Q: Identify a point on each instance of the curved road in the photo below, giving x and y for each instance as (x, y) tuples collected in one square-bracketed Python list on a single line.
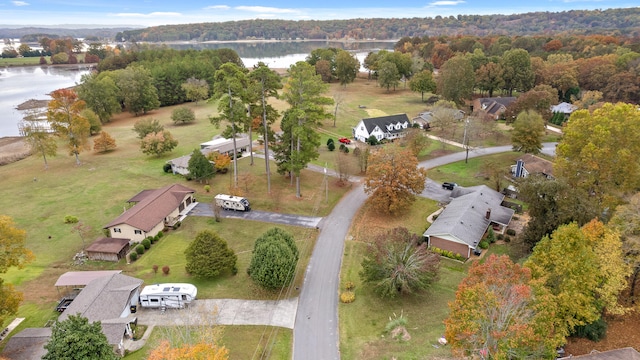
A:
[(315, 333)]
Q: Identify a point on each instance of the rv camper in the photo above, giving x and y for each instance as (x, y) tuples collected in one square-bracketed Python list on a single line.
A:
[(230, 202), (171, 296)]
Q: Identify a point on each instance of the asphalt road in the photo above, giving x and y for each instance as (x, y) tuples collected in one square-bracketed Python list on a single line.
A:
[(206, 209), (315, 333)]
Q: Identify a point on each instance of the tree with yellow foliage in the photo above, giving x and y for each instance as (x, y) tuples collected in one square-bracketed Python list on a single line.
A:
[(14, 253)]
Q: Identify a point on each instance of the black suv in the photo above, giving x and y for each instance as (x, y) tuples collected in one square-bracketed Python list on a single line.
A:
[(449, 185)]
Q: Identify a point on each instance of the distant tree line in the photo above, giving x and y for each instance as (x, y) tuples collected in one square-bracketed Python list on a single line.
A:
[(611, 21)]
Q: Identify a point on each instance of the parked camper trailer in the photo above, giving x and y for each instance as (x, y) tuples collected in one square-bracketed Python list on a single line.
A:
[(170, 296), (230, 202)]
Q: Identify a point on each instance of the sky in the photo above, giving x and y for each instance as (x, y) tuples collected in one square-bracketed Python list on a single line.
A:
[(144, 13)]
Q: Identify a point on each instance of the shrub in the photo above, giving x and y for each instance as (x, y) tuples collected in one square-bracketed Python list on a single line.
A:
[(329, 141), (160, 234), (155, 239), (345, 150), (348, 297), (207, 188), (133, 256), (166, 168), (511, 232), (507, 238), (483, 244), (176, 225), (140, 249), (349, 285), (146, 243), (70, 219), (183, 115), (165, 270), (155, 269), (500, 237), (595, 331), (331, 146), (357, 151), (491, 236)]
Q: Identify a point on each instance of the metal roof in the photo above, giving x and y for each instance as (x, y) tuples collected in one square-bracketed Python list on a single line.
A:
[(82, 278)]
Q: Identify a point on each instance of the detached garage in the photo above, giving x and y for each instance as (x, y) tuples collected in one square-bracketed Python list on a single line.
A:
[(108, 249)]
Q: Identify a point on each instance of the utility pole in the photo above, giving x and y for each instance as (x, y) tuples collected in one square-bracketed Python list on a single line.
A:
[(326, 184), (465, 141)]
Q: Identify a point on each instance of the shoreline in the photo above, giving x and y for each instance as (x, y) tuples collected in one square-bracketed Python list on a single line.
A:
[(249, 41)]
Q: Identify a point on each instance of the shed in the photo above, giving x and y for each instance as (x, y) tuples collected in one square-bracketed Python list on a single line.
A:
[(108, 249)]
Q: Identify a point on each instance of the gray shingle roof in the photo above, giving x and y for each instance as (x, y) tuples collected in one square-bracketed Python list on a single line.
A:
[(465, 216), (108, 245), (382, 122), (627, 353), (27, 344)]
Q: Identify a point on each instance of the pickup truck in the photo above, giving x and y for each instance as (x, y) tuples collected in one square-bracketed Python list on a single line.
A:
[(449, 185), (64, 303)]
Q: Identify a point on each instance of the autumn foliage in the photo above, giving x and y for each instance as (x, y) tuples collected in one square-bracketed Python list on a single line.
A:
[(104, 143), (198, 351)]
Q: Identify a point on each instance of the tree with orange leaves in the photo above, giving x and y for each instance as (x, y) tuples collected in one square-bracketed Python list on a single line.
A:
[(498, 314), (199, 351), (64, 116)]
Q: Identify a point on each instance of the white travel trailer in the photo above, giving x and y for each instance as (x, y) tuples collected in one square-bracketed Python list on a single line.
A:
[(230, 202), (171, 296)]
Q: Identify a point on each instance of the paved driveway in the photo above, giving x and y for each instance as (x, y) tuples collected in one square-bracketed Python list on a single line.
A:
[(206, 209)]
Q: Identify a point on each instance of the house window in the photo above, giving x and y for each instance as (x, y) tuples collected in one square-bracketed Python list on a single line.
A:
[(137, 232), (116, 230), (361, 128)]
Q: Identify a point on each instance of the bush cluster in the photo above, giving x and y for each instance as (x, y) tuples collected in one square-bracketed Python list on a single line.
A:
[(70, 219), (595, 331), (349, 285), (133, 256), (483, 244), (511, 232), (348, 297), (447, 254), (146, 243)]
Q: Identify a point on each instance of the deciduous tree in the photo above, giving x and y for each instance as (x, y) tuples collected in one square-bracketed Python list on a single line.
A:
[(347, 67), (274, 259), (423, 82), (137, 90), (196, 89), (183, 115), (489, 77), (14, 254), (208, 256), (393, 179), (527, 133), (388, 75), (497, 314), (40, 140), (144, 127), (104, 143), (64, 116), (626, 220), (199, 167), (76, 338), (396, 265), (456, 79), (518, 74), (158, 143), (101, 95)]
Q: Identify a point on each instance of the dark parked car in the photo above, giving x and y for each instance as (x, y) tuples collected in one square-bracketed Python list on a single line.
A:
[(449, 185)]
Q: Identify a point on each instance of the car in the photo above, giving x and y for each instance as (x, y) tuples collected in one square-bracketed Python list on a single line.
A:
[(477, 251), (449, 185), (345, 140)]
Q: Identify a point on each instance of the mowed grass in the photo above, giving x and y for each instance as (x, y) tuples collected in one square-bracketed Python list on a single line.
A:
[(472, 173)]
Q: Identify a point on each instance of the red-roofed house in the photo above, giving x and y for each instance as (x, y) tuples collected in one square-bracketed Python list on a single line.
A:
[(154, 209)]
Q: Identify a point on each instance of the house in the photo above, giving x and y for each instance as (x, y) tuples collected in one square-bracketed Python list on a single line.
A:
[(463, 222), (627, 353), (109, 299), (383, 127), (218, 144), (27, 344), (425, 118), (564, 108), (492, 107), (529, 164), (152, 212), (108, 249)]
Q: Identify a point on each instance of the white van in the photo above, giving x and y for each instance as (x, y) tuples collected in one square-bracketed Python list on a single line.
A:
[(168, 296), (230, 202)]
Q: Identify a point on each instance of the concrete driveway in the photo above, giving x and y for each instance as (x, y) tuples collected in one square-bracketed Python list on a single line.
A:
[(433, 190), (206, 209)]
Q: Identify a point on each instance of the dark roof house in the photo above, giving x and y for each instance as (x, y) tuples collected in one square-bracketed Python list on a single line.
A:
[(27, 344), (383, 127), (493, 107), (529, 164)]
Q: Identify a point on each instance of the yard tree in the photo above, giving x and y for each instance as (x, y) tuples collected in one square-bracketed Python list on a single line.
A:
[(76, 339), (423, 82), (101, 95), (182, 115), (14, 254), (208, 256), (196, 89), (303, 92), (598, 153), (104, 143), (518, 74), (199, 167), (40, 140), (415, 141), (347, 67), (64, 115), (489, 77), (144, 127), (323, 68), (552, 202), (221, 162), (456, 79), (371, 63), (274, 259), (583, 270), (137, 90), (560, 71), (231, 82), (626, 220), (270, 83), (393, 179), (497, 314), (527, 133), (396, 265), (388, 75), (158, 143), (95, 126)]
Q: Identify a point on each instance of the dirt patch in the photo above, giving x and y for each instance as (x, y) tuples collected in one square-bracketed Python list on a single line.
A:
[(622, 331), (13, 149)]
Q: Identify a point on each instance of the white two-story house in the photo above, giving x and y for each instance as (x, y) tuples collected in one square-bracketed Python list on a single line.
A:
[(383, 128)]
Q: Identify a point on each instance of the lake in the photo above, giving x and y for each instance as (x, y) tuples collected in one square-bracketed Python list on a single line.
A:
[(20, 84)]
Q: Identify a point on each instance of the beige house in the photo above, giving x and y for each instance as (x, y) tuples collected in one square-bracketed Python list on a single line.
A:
[(152, 212)]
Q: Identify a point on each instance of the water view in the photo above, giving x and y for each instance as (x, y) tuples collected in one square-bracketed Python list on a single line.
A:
[(35, 82)]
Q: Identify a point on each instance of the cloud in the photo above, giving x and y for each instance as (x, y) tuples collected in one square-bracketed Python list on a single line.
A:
[(217, 7), (149, 15), (20, 3), (265, 9), (446, 3)]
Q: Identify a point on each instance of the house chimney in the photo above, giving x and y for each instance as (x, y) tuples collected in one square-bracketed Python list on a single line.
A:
[(488, 214)]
